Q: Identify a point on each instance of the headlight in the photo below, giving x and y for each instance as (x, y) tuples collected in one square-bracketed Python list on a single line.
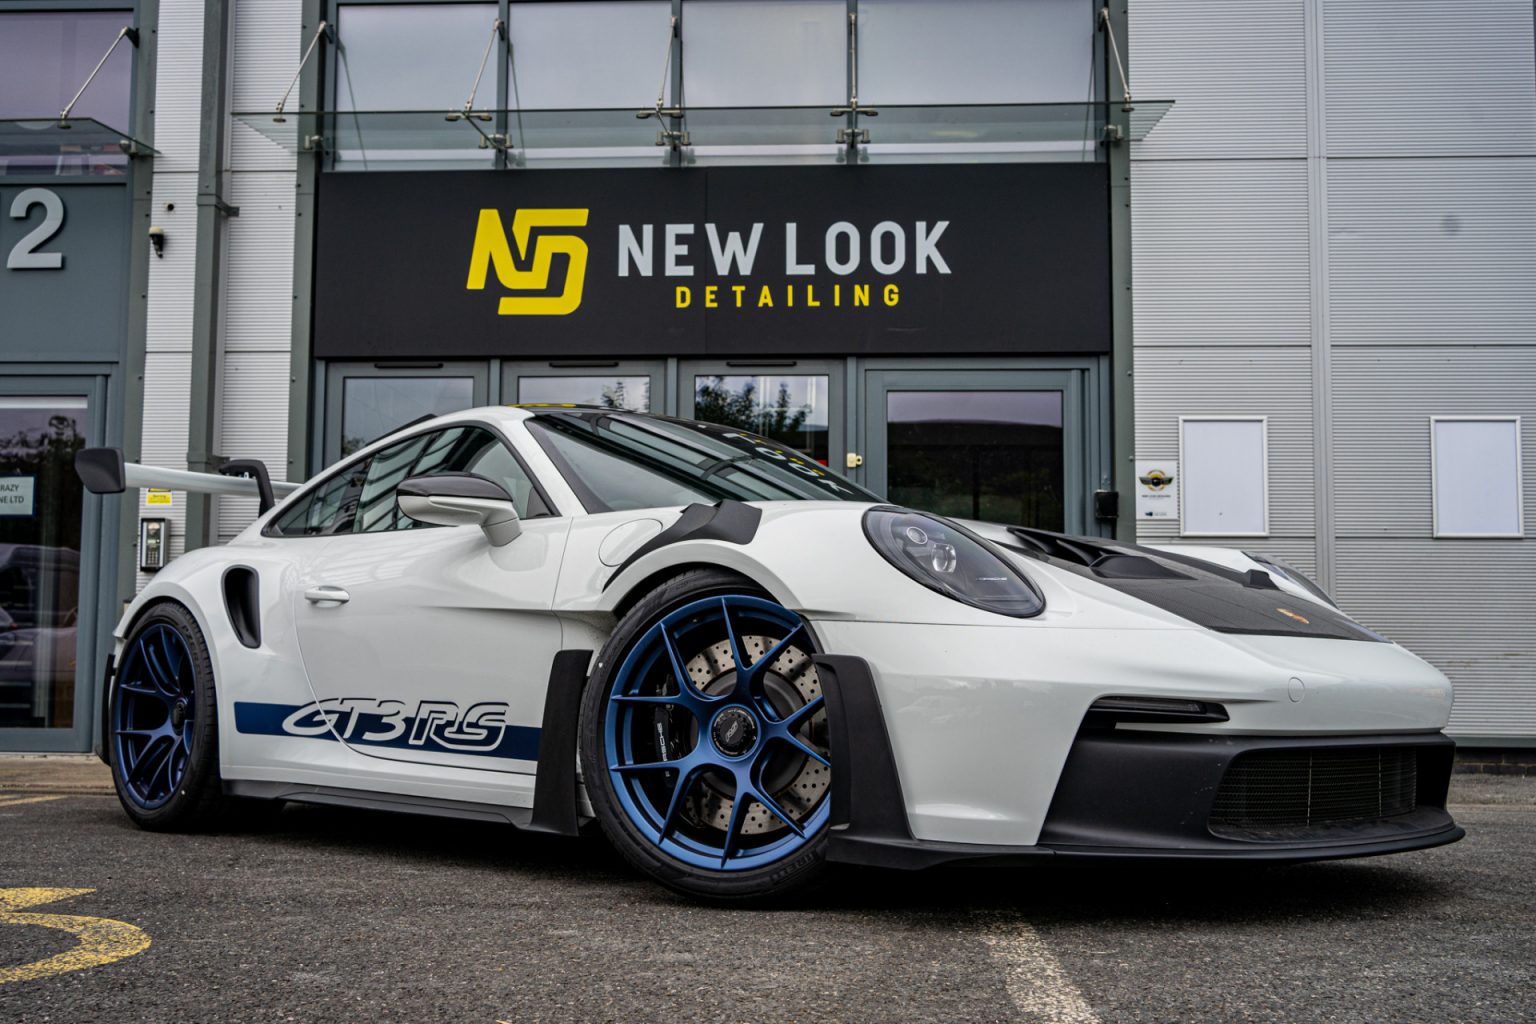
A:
[(943, 557)]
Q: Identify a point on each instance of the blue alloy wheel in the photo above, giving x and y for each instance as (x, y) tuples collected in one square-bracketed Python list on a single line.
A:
[(715, 730), (153, 718)]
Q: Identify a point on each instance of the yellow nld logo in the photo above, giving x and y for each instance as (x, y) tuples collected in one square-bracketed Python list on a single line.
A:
[(535, 255)]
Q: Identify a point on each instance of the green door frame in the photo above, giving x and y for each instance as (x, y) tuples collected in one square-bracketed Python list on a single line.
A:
[(98, 536), (1083, 450)]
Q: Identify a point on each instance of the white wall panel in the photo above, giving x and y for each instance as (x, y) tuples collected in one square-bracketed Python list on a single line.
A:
[(1241, 381), (178, 85), (1237, 77), (1220, 254), (171, 277), (1432, 251), (1429, 77), (167, 382), (253, 383), (1382, 401), (266, 53), (258, 292), (1464, 606)]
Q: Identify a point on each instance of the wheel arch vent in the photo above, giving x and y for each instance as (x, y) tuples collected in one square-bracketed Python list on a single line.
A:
[(242, 602)]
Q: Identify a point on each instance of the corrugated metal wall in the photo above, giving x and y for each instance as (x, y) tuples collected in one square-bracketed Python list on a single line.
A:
[(1363, 264), (256, 300), (168, 355)]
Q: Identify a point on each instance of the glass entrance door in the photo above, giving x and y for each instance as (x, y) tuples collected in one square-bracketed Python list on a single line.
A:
[(798, 403), (634, 385), (41, 520), (1004, 446)]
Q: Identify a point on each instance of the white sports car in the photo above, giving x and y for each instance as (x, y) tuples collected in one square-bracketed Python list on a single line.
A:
[(744, 666)]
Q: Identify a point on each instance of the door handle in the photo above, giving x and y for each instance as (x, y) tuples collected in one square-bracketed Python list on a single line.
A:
[(323, 594)]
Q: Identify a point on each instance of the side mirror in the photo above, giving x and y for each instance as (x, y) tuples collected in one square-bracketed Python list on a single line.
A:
[(461, 499)]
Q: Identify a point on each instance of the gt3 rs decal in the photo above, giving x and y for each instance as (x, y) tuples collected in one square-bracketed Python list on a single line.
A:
[(438, 726)]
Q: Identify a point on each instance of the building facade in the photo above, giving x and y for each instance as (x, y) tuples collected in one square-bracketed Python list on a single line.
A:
[(895, 234), (1336, 246)]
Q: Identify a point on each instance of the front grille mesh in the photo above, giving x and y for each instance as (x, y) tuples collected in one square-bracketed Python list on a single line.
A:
[(1301, 791)]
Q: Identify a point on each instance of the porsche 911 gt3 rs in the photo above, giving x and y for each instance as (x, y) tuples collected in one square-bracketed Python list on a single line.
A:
[(743, 666)]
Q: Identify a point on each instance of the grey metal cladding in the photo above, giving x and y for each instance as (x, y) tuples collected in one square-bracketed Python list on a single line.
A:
[(1221, 252), (1432, 251), (1428, 77), (1239, 82), (1246, 381), (1382, 401), (1464, 606)]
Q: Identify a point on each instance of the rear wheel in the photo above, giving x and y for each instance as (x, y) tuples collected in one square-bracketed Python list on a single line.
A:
[(704, 740), (164, 715)]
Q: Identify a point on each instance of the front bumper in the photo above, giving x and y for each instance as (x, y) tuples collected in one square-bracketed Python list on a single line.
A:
[(1155, 795)]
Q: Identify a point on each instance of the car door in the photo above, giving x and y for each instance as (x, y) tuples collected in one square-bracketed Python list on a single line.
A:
[(426, 643)]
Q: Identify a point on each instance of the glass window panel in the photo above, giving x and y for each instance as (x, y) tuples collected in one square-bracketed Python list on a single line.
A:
[(765, 53), (587, 55), (991, 455), (630, 393), (412, 56), (374, 406), (793, 409), (46, 57), (40, 511), (1225, 486), (1477, 477), (976, 51)]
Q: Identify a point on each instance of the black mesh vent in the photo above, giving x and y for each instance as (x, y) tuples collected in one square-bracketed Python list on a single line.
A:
[(1313, 791)]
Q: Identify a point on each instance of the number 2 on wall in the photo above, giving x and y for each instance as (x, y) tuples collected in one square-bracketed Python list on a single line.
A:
[(24, 254)]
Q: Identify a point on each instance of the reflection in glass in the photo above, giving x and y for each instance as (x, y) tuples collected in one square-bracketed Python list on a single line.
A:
[(992, 455), (630, 393), (374, 406), (40, 508), (792, 409), (45, 57)]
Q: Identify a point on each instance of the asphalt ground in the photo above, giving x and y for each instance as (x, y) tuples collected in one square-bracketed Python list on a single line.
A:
[(328, 915)]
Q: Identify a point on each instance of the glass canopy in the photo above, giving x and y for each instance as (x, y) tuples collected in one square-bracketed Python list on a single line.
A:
[(901, 134), (77, 146)]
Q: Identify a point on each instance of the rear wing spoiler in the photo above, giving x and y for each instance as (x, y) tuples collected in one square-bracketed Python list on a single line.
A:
[(103, 471)]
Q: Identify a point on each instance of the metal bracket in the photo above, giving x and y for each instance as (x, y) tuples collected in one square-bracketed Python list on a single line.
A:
[(313, 143), (219, 204), (1113, 134)]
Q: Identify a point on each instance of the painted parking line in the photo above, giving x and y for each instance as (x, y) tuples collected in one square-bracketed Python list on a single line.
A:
[(17, 801), (101, 940), (1036, 982)]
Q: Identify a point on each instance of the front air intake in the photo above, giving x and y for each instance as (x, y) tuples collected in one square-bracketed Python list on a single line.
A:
[(1296, 794)]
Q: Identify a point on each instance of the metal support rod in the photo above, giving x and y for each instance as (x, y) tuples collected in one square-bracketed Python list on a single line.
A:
[(1114, 48), (320, 31), (498, 30), (126, 32), (666, 68)]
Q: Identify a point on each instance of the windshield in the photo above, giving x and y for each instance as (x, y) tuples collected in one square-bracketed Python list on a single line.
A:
[(618, 461)]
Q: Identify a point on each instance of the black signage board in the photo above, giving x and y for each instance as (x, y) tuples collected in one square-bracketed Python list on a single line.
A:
[(761, 261)]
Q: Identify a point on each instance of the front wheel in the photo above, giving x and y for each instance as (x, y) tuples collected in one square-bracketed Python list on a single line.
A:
[(704, 741)]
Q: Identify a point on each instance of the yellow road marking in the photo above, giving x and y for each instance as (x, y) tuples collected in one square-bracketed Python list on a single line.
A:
[(17, 801), (101, 940)]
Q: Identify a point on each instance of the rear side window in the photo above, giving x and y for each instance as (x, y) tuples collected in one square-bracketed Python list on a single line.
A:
[(361, 498)]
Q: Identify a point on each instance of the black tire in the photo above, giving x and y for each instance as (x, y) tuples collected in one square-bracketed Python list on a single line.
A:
[(197, 801), (796, 870)]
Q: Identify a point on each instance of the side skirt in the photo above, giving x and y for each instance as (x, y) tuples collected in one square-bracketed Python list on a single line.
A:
[(333, 797)]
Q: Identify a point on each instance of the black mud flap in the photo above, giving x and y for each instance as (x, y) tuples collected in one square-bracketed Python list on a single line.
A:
[(869, 814), (554, 787)]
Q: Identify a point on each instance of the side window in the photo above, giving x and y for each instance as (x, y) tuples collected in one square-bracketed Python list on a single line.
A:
[(330, 508), (361, 498)]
